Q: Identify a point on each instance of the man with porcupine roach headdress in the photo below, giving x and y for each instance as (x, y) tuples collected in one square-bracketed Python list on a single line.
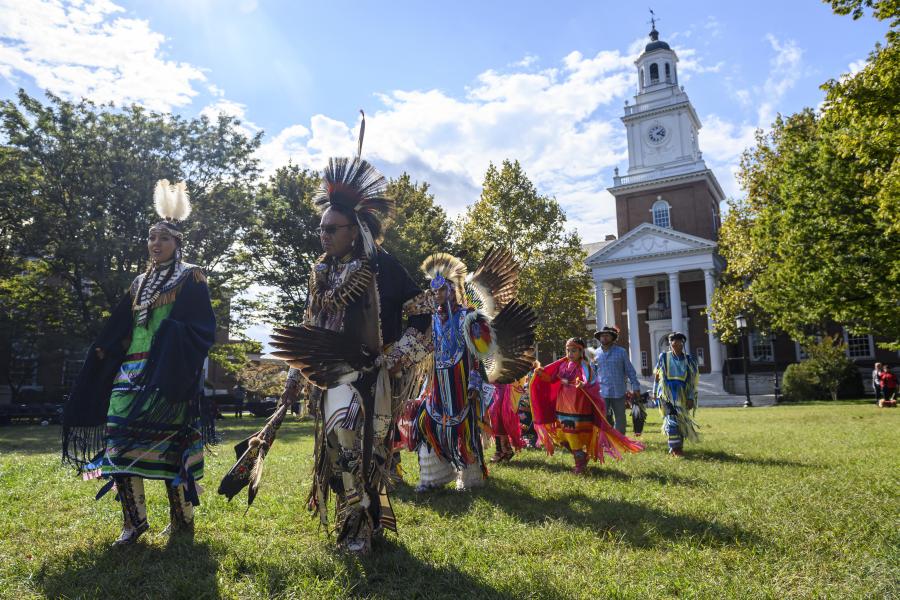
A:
[(362, 336), (136, 410), (482, 337)]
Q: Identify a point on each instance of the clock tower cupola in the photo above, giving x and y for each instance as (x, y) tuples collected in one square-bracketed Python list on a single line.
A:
[(662, 125)]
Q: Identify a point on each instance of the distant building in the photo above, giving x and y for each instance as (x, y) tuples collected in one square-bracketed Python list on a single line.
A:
[(659, 273)]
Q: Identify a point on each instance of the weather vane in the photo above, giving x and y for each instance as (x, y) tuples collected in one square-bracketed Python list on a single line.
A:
[(653, 18)]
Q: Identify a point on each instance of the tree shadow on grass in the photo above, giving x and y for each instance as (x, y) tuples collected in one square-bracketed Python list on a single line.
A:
[(180, 569), (30, 439), (595, 470), (392, 571), (636, 524), (37, 439), (725, 457), (389, 571)]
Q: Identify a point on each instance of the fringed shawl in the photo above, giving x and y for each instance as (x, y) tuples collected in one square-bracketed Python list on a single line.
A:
[(171, 378), (545, 389)]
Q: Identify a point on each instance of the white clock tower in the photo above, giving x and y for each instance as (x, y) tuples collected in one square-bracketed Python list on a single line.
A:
[(661, 125)]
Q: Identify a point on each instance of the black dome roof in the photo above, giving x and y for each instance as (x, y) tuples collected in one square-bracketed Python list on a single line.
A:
[(655, 43)]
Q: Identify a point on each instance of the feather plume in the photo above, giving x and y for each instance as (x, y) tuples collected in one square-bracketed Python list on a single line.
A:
[(357, 185), (172, 201), (362, 134), (451, 268), (162, 198), (182, 207)]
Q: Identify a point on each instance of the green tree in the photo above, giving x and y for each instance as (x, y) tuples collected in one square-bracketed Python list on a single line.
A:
[(816, 239), (81, 177), (511, 214), (76, 188), (420, 226), (280, 246), (232, 356), (829, 364)]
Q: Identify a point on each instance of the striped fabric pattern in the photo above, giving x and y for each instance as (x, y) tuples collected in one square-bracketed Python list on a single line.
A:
[(177, 443)]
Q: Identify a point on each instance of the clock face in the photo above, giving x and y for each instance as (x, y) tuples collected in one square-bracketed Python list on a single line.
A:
[(656, 133)]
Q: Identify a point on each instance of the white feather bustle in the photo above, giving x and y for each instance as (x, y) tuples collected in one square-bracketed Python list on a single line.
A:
[(172, 201)]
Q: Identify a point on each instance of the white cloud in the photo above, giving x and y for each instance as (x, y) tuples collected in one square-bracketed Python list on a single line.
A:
[(527, 61), (856, 66), (784, 71), (561, 123), (87, 49)]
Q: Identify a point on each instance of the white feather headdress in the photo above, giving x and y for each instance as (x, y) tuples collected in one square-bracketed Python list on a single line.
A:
[(172, 201)]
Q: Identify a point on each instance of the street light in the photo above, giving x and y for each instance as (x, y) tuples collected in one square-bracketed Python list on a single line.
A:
[(741, 322)]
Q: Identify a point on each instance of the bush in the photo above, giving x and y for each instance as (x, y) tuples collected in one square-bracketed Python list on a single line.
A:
[(800, 383)]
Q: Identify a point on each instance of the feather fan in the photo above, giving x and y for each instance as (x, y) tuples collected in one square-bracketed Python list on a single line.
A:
[(513, 328), (495, 282)]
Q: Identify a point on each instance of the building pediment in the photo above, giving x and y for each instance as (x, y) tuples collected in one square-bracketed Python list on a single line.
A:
[(650, 241)]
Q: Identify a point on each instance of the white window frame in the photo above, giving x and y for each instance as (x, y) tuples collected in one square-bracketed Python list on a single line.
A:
[(751, 342), (869, 339), (701, 356), (658, 207)]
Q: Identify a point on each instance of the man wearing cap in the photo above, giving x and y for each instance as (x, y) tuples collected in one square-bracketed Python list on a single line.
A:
[(613, 368), (675, 386)]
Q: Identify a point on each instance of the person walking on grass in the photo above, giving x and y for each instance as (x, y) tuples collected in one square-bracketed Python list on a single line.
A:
[(137, 409), (239, 394), (876, 382), (675, 386), (568, 410), (888, 387), (614, 372)]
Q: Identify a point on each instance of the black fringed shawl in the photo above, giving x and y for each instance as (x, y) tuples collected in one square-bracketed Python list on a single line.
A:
[(172, 376)]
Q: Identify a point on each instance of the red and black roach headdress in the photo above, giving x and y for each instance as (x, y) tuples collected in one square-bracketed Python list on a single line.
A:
[(357, 190)]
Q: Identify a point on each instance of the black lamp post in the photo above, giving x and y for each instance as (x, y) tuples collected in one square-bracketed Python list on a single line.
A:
[(741, 322)]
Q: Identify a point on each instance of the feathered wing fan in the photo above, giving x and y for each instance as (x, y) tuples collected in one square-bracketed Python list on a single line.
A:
[(513, 328), (251, 453), (495, 282), (450, 268), (326, 358)]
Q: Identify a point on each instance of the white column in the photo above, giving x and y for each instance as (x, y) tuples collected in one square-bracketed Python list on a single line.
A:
[(600, 300), (634, 339), (610, 316), (715, 348), (675, 301)]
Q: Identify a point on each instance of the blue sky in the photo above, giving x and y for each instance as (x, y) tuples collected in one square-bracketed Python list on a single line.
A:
[(448, 87)]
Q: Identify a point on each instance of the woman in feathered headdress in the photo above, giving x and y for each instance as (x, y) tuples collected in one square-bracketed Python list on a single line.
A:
[(135, 410)]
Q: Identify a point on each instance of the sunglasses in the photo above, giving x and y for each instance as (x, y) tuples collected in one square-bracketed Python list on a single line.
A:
[(331, 229)]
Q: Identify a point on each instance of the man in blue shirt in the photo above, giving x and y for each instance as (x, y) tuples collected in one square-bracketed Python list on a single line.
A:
[(613, 368)]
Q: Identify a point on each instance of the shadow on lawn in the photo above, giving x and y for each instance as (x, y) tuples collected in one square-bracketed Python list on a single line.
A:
[(636, 524), (719, 456), (35, 439), (598, 471), (178, 570), (391, 571)]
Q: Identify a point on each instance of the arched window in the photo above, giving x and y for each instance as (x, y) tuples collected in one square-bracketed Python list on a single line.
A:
[(654, 73), (661, 214), (668, 73), (642, 77)]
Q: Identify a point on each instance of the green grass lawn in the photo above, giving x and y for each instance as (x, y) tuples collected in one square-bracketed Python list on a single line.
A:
[(781, 502)]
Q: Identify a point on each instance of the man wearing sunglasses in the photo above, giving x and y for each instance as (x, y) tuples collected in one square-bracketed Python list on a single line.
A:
[(363, 293)]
